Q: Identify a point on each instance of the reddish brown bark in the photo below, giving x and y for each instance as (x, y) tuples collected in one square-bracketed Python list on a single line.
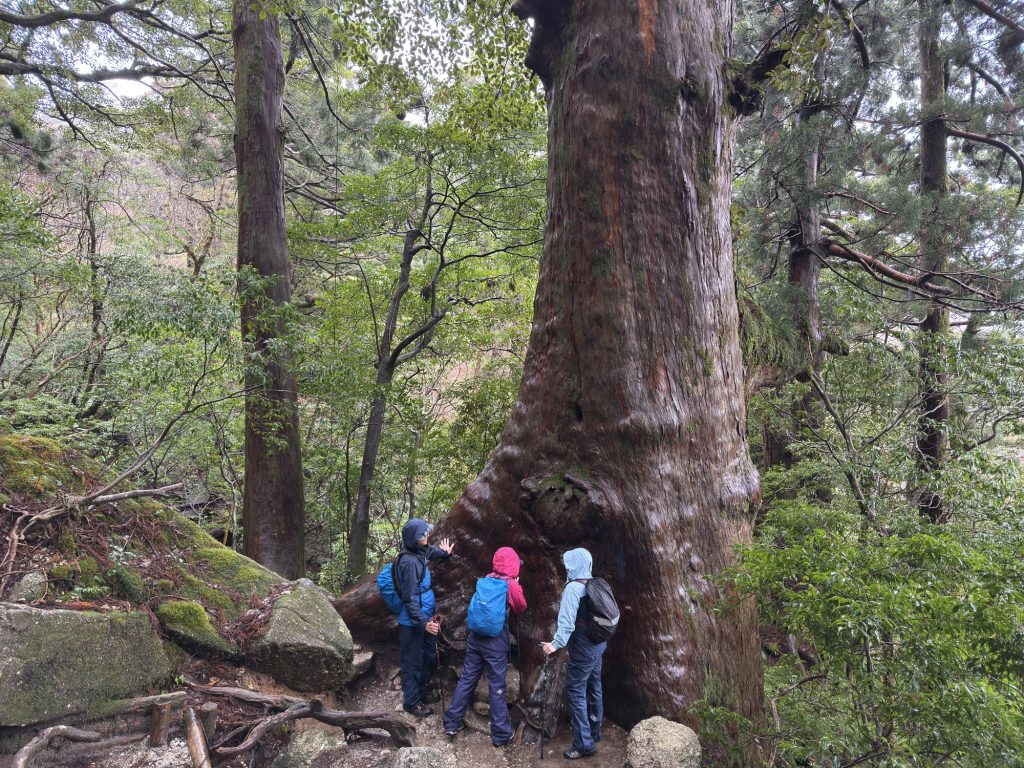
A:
[(628, 436), (272, 507)]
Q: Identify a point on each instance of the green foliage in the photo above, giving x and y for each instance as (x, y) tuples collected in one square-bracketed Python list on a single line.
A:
[(917, 629)]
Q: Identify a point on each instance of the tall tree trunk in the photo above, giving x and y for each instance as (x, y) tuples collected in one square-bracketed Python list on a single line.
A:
[(932, 437), (802, 277), (628, 436), (272, 507)]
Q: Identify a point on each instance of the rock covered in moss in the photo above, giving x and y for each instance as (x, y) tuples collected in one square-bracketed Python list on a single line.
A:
[(32, 587), (55, 663), (306, 645), (188, 624)]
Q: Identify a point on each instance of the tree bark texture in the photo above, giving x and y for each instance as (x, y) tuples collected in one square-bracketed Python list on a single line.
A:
[(932, 437), (628, 436), (272, 508)]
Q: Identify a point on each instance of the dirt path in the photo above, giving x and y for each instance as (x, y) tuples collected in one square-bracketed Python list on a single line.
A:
[(471, 748)]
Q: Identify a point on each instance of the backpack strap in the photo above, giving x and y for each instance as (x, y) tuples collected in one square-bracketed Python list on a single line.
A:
[(419, 578), (582, 612)]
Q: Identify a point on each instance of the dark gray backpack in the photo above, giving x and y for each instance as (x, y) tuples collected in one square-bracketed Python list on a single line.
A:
[(598, 613)]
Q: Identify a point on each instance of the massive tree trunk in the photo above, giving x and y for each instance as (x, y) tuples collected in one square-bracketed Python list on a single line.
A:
[(934, 417), (628, 436), (272, 507)]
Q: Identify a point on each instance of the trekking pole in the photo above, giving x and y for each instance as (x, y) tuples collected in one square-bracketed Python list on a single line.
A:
[(544, 703), (440, 673)]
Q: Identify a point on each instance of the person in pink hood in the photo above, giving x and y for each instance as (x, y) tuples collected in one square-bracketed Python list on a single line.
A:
[(487, 646)]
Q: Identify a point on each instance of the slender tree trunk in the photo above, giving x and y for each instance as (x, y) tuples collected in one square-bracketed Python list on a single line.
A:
[(387, 361), (272, 506), (628, 436), (802, 278), (359, 538), (932, 437)]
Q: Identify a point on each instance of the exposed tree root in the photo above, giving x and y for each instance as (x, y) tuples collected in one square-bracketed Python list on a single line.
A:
[(46, 737), (402, 732)]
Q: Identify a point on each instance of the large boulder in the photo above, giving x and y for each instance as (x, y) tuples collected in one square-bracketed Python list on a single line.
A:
[(57, 663), (306, 645), (660, 743)]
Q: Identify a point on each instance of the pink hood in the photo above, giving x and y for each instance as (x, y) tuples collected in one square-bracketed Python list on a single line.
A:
[(506, 562)]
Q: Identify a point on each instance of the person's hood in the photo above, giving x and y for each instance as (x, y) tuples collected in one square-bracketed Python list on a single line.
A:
[(413, 531), (506, 562), (578, 564)]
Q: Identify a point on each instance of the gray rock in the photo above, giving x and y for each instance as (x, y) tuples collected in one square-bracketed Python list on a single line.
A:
[(56, 663), (306, 646), (482, 708), (482, 692), (420, 757), (660, 743), (362, 661), (306, 747), (32, 587)]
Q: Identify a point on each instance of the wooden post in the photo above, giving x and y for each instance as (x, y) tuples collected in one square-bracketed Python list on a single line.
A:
[(208, 717), (196, 740), (161, 724)]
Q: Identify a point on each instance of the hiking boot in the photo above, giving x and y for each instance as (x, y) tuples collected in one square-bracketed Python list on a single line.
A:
[(504, 743), (420, 710), (452, 731), (576, 754), (431, 696)]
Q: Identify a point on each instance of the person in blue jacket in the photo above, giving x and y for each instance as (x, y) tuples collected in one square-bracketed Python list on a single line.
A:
[(583, 673), (417, 625)]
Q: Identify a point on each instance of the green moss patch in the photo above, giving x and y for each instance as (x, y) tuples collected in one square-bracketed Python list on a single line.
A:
[(33, 465), (189, 624)]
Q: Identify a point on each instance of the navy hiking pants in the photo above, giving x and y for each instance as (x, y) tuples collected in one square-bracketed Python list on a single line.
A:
[(490, 655), (583, 689), (418, 659)]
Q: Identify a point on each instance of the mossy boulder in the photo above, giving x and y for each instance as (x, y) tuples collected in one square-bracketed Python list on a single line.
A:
[(35, 466), (55, 663), (306, 646), (188, 623), (216, 575)]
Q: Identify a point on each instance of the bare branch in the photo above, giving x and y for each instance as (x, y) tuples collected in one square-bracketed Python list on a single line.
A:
[(993, 13)]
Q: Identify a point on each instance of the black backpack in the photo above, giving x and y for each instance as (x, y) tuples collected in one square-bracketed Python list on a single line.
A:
[(599, 613)]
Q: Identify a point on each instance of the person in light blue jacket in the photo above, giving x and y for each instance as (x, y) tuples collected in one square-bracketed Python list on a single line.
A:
[(583, 675)]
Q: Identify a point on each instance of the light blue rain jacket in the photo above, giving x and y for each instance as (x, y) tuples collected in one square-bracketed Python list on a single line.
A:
[(578, 565)]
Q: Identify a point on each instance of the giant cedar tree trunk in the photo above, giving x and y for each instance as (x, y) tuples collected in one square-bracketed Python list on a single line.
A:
[(628, 436), (934, 415), (272, 507)]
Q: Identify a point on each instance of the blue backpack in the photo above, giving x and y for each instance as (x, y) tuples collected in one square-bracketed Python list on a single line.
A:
[(487, 608), (386, 583)]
